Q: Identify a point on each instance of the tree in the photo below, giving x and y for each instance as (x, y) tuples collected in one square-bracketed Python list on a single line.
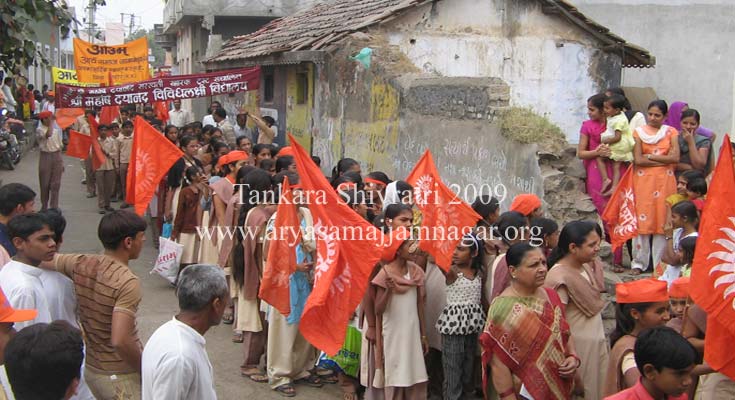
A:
[(16, 29), (156, 49)]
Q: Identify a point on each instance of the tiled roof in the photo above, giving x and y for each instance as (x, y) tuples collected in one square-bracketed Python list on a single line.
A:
[(324, 24)]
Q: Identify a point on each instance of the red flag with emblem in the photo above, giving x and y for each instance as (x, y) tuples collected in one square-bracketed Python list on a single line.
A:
[(98, 156), (161, 109), (713, 276), (108, 114), (445, 217), (151, 157), (348, 248), (281, 262), (620, 213), (78, 145)]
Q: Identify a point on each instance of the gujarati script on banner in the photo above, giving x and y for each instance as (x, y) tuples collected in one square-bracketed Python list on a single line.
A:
[(127, 62), (165, 88)]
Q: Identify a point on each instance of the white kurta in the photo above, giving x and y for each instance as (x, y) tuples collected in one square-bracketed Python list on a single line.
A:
[(402, 352), (23, 288), (176, 365)]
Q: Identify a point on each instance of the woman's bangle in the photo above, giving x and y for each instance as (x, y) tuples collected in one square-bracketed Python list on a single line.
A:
[(507, 393), (574, 356)]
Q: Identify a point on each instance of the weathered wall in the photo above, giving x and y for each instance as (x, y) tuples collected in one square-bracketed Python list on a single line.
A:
[(298, 116), (550, 65), (692, 42)]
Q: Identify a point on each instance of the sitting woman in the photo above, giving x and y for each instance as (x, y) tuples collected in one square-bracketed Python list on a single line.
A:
[(526, 340)]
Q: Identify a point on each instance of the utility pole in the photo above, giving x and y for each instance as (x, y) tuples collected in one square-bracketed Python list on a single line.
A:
[(132, 24), (91, 10)]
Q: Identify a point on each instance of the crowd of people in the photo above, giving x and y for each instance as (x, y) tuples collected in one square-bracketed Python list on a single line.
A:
[(518, 315)]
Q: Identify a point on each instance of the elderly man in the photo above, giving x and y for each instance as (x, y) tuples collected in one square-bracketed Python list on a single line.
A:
[(175, 362), (50, 163)]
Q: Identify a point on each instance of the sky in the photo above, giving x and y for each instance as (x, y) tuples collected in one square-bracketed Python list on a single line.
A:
[(147, 12)]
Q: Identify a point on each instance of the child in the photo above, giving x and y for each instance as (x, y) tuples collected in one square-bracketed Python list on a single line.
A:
[(687, 247), (685, 221), (544, 234), (696, 191), (188, 215), (681, 186), (105, 174), (664, 359), (400, 338), (124, 148), (269, 166), (462, 318), (620, 139), (679, 300), (641, 304)]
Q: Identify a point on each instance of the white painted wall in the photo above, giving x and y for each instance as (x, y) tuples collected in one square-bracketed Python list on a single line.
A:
[(692, 42), (470, 38)]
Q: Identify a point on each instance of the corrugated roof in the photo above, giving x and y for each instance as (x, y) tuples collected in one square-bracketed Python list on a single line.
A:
[(324, 24)]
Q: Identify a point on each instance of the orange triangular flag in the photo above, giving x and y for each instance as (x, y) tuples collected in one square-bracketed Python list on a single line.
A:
[(78, 145), (65, 117), (445, 217), (161, 109), (281, 262), (620, 213), (151, 157), (348, 248), (713, 272), (98, 156)]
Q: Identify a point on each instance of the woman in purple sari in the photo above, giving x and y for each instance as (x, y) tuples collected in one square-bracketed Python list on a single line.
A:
[(590, 147)]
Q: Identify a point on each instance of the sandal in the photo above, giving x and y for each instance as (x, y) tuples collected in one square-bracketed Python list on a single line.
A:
[(237, 337), (286, 390), (254, 374), (311, 380), (635, 271), (350, 396), (229, 317), (618, 269)]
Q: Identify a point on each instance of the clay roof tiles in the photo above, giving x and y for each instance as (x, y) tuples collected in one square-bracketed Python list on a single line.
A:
[(324, 24)]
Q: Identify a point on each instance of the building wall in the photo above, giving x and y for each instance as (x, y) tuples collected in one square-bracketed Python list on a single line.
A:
[(550, 65), (299, 121), (692, 42)]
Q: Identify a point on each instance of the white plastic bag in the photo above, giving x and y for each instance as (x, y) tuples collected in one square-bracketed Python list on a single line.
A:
[(169, 257)]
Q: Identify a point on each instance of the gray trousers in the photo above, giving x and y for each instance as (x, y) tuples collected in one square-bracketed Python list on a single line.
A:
[(50, 168), (122, 180), (105, 186), (458, 358)]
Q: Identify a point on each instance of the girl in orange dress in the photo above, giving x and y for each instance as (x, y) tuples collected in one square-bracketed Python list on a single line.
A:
[(656, 155)]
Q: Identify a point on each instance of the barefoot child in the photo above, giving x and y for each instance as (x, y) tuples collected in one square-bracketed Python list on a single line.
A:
[(620, 139)]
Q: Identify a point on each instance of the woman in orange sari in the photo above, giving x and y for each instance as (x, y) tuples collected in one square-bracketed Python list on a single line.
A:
[(656, 155), (526, 340)]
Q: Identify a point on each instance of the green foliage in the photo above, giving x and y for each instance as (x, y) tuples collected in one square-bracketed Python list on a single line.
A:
[(17, 17), (525, 126), (156, 50)]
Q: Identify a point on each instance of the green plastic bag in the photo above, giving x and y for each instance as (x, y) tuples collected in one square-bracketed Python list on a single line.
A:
[(348, 357)]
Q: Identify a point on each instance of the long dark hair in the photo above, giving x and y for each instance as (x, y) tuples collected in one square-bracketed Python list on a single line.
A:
[(342, 166), (624, 322), (257, 184), (475, 245), (574, 232)]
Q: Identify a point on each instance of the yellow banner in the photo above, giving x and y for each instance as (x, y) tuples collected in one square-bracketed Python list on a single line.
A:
[(128, 62), (67, 77)]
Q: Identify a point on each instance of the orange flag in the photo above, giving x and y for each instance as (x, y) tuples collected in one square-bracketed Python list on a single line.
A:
[(274, 286), (713, 274), (348, 248), (620, 213), (65, 117), (446, 218), (161, 109), (109, 113), (151, 157), (78, 145), (98, 156)]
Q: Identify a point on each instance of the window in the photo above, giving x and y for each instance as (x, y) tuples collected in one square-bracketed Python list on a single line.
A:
[(302, 88), (268, 88)]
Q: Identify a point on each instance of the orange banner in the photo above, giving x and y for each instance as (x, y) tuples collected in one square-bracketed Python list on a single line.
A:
[(127, 63)]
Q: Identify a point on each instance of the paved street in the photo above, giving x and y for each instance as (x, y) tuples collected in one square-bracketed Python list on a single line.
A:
[(159, 303)]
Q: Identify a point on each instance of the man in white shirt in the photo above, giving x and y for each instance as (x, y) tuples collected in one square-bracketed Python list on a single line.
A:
[(20, 278), (179, 117), (175, 361), (228, 132), (209, 118), (10, 102), (50, 163), (8, 318)]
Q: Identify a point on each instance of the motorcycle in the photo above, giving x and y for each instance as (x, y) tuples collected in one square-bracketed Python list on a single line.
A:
[(10, 153)]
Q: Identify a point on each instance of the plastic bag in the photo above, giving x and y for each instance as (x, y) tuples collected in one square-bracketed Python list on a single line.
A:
[(169, 257), (166, 230), (348, 358)]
